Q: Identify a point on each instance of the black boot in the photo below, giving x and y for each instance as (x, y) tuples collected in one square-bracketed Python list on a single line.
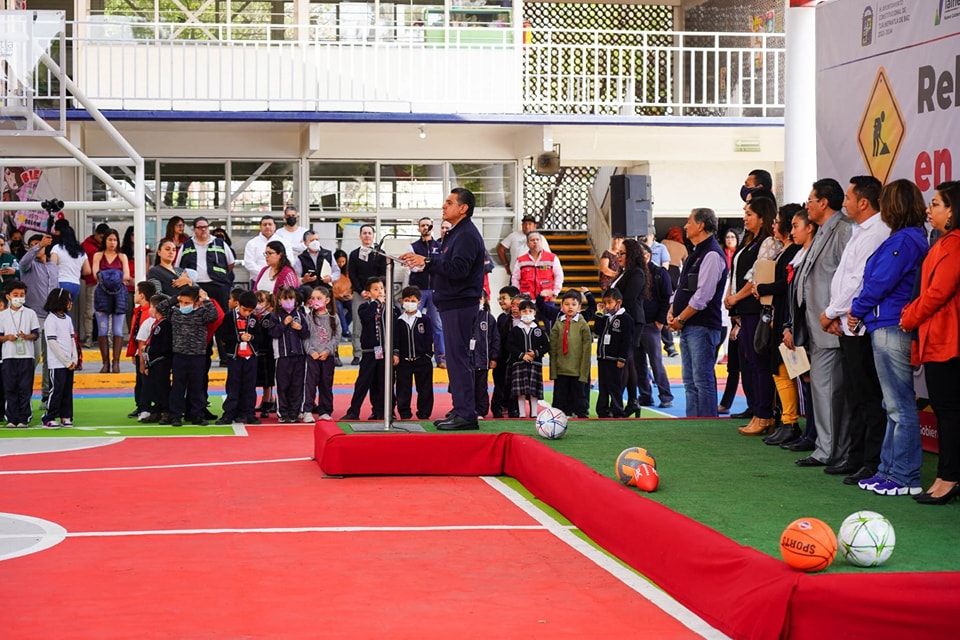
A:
[(784, 433)]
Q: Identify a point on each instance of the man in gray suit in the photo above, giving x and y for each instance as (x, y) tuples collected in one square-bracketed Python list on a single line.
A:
[(813, 296)]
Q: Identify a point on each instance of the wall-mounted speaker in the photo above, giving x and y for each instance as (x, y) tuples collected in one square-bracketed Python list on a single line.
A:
[(631, 206)]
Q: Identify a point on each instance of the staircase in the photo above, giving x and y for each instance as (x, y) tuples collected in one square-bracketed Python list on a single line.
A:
[(581, 265)]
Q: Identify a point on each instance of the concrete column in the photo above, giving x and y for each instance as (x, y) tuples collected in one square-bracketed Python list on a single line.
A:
[(800, 112)]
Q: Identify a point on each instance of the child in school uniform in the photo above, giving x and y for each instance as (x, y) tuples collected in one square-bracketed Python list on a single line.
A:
[(19, 330), (236, 340), (484, 352), (325, 332), (501, 392), (371, 371), (527, 343), (62, 350), (289, 330), (266, 363), (570, 345), (412, 354), (140, 319), (156, 362), (614, 328)]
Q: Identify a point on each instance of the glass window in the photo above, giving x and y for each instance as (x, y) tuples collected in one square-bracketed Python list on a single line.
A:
[(188, 185), (411, 186), (491, 183)]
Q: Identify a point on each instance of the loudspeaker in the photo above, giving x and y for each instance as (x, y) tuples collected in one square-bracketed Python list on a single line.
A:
[(631, 209)]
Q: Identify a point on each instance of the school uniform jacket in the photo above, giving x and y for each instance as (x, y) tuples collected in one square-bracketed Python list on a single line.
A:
[(615, 336), (520, 341)]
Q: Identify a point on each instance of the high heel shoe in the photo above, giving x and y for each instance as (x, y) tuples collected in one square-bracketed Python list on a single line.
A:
[(758, 426), (949, 496)]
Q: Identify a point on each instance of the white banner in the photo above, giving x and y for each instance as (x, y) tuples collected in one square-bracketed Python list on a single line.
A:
[(888, 90)]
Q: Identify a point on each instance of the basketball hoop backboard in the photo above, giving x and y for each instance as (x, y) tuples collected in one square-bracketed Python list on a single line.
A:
[(27, 86)]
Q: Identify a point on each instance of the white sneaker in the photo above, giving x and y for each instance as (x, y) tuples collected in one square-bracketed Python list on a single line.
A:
[(307, 417), (66, 422), (324, 416), (144, 416)]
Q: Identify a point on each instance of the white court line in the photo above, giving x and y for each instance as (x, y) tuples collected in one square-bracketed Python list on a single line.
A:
[(636, 582), (31, 472), (260, 530)]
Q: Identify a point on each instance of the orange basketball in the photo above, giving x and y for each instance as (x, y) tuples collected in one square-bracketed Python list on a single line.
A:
[(808, 545)]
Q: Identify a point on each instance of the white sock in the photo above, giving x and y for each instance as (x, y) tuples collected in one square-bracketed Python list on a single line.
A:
[(522, 405)]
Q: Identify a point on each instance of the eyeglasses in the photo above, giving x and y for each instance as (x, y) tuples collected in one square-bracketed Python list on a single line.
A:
[(812, 200), (269, 253), (201, 227), (621, 253)]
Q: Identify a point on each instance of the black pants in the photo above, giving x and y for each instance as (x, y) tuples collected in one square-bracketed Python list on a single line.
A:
[(481, 391), (733, 375), (158, 385), (610, 383), (189, 382), (457, 333), (241, 388), (567, 395), (861, 438), (318, 389), (369, 379), (291, 371), (140, 399), (408, 373), (60, 400), (18, 388), (501, 391), (942, 387)]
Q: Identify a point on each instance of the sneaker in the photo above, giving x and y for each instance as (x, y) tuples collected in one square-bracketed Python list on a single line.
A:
[(324, 416), (50, 424), (307, 417), (869, 483), (66, 422), (22, 425), (144, 416), (666, 405), (894, 488)]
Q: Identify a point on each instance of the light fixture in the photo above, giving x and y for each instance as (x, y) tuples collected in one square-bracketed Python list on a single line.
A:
[(423, 134)]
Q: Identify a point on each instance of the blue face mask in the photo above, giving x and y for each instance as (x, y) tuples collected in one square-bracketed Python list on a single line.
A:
[(744, 191), (186, 310)]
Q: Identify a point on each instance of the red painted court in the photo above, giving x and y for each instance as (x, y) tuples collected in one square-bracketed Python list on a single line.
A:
[(244, 537)]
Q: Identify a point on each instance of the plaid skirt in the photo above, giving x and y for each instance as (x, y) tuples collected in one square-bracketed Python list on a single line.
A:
[(526, 379)]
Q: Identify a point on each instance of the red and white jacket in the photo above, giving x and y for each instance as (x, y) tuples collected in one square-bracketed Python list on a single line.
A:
[(543, 274)]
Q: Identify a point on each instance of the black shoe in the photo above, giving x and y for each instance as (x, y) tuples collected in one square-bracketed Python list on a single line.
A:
[(224, 420), (355, 361), (666, 404), (337, 362), (862, 474), (784, 433), (457, 423), (630, 409), (449, 415), (809, 461), (646, 403), (672, 353), (251, 420), (349, 417), (841, 468), (743, 415), (209, 415), (176, 422), (164, 419), (801, 445), (134, 414), (926, 498), (201, 422), (406, 417)]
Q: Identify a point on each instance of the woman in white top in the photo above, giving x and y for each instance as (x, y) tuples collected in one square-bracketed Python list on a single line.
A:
[(71, 261)]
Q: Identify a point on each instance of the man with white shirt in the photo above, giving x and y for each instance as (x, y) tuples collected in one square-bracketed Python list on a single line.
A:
[(291, 233), (253, 258), (859, 434)]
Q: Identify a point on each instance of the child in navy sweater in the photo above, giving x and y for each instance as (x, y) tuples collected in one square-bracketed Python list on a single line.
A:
[(412, 353), (484, 351), (289, 329), (615, 330), (157, 359), (371, 371)]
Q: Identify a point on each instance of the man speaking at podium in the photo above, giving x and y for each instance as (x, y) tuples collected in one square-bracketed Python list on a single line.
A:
[(456, 274)]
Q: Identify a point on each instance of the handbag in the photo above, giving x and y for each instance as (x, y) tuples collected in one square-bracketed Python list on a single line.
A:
[(764, 334)]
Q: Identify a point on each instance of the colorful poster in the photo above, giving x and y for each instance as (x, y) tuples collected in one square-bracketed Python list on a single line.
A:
[(20, 185)]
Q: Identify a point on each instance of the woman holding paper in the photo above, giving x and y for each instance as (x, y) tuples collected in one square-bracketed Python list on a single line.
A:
[(783, 275), (758, 244), (934, 315)]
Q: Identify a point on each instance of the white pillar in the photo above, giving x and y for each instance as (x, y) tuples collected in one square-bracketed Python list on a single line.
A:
[(800, 111)]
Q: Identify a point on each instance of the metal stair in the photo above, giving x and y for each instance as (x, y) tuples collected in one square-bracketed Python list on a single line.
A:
[(581, 264)]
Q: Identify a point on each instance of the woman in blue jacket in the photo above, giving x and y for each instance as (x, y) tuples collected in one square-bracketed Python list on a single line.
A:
[(888, 282)]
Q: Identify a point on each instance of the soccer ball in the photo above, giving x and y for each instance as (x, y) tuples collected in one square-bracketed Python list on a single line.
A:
[(866, 539), (551, 423)]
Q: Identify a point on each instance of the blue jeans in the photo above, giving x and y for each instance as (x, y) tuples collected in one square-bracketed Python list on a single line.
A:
[(430, 310), (698, 354), (901, 454)]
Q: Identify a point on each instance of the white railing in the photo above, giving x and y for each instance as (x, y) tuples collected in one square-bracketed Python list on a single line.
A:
[(430, 70)]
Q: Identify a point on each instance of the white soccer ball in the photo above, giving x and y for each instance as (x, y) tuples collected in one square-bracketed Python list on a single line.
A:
[(866, 539), (551, 423)]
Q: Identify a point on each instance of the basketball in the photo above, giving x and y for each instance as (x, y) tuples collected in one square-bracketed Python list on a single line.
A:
[(646, 478), (866, 539), (808, 545), (628, 461), (551, 423)]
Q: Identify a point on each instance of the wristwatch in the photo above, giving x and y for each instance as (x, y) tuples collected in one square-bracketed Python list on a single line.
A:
[(426, 263), (681, 321)]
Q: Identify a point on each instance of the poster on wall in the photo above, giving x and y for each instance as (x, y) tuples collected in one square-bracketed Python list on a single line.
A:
[(888, 90), (22, 184)]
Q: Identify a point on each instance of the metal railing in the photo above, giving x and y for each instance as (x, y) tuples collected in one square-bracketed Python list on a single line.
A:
[(427, 70)]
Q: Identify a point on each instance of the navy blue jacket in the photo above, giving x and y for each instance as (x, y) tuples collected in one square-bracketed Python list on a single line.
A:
[(619, 329), (411, 342), (228, 334), (486, 336), (656, 305), (287, 340), (456, 272), (520, 341), (161, 341)]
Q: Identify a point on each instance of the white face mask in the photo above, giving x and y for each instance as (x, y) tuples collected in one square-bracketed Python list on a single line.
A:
[(18, 301), (527, 318), (410, 307), (314, 245)]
